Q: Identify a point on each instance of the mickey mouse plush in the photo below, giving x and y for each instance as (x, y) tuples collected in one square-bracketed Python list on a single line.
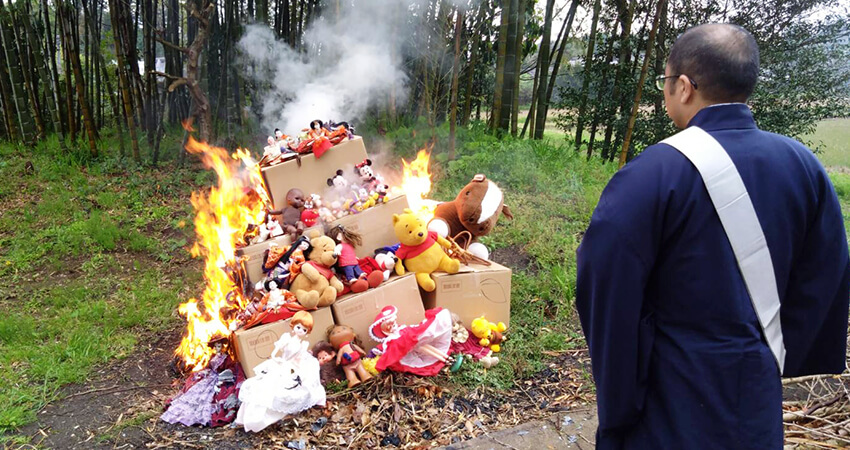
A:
[(476, 209)]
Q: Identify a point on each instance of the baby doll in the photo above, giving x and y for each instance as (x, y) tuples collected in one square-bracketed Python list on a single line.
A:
[(291, 214), (346, 240), (348, 355)]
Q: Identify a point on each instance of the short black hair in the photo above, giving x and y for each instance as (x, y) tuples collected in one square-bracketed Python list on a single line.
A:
[(723, 59)]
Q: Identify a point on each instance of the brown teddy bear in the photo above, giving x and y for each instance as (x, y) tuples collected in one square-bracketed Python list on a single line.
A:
[(316, 286), (476, 209)]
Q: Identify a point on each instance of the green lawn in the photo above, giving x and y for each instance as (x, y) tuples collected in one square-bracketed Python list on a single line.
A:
[(834, 136), (94, 254)]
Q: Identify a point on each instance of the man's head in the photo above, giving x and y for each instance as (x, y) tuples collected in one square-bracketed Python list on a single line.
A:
[(709, 64)]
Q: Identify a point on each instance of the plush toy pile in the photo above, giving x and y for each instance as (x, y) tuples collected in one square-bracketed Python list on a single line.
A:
[(309, 259)]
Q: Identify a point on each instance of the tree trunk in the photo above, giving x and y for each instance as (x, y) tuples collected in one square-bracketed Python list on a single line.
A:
[(495, 113), (609, 56), (8, 101), (15, 73), (28, 74), (588, 66), (650, 43), (150, 107), (74, 51), (623, 63), (193, 75), (455, 72), (473, 63), (124, 82), (568, 24), (543, 55), (510, 69), (518, 66), (44, 74), (51, 56)]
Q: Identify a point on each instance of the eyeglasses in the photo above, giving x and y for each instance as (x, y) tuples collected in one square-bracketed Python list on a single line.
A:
[(661, 79)]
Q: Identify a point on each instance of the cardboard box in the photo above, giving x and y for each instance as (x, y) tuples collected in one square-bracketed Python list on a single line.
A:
[(312, 174), (375, 225), (255, 345), (475, 291), (253, 254), (359, 310)]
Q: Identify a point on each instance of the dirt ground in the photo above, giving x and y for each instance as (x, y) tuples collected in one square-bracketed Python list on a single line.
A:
[(120, 407)]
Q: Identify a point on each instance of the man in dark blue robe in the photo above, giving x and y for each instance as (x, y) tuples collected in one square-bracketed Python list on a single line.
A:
[(678, 353)]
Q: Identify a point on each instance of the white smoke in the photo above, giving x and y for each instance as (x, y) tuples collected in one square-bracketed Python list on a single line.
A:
[(351, 62)]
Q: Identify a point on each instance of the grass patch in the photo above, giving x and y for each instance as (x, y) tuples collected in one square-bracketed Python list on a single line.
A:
[(833, 137)]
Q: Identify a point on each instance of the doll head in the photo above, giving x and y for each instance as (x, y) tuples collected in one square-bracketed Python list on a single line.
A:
[(309, 203), (339, 334), (316, 124), (324, 352), (341, 234), (364, 170), (384, 324), (301, 323), (271, 284), (295, 198), (278, 134), (218, 343), (270, 140)]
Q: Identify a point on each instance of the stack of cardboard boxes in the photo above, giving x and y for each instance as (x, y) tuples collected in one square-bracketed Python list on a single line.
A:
[(475, 291)]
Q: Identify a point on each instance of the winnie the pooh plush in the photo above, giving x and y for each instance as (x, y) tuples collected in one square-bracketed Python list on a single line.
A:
[(421, 250), (489, 333), (316, 286)]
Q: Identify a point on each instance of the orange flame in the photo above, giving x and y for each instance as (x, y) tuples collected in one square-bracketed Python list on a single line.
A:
[(416, 184), (221, 217)]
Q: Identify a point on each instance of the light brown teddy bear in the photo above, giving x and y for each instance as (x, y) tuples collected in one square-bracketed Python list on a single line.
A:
[(316, 286)]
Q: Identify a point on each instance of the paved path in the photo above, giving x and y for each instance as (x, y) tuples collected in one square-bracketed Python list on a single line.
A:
[(569, 429)]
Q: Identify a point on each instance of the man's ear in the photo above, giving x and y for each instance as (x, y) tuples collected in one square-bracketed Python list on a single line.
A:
[(685, 89)]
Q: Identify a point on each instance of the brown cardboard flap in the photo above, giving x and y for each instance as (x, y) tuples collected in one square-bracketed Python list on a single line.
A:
[(359, 310), (375, 225), (255, 345), (475, 291), (312, 174)]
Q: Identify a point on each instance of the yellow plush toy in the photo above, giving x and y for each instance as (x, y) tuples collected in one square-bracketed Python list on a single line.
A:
[(421, 250), (489, 333)]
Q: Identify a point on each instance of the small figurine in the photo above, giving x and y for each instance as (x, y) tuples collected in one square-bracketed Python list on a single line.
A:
[(489, 333), (381, 191), (319, 137), (349, 353), (383, 262), (476, 209), (287, 383), (421, 349), (271, 151), (310, 214), (464, 343), (276, 298), (367, 176), (326, 354), (209, 397), (421, 251), (346, 240)]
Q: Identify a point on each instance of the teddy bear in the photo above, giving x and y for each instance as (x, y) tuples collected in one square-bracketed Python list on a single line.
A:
[(475, 209), (489, 333), (316, 286), (421, 251)]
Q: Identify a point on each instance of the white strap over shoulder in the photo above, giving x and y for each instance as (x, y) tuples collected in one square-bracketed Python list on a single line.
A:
[(742, 226)]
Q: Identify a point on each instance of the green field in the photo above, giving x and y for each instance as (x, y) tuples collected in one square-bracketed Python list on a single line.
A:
[(833, 135), (94, 254)]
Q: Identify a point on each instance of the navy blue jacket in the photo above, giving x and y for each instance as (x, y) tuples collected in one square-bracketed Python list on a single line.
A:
[(677, 352)]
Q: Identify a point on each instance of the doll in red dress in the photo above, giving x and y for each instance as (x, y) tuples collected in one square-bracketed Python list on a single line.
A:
[(421, 349)]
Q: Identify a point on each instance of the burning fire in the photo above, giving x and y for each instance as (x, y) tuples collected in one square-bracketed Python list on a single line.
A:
[(221, 217), (416, 184)]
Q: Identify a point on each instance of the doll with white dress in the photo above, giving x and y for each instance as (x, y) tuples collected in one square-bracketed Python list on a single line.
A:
[(287, 383)]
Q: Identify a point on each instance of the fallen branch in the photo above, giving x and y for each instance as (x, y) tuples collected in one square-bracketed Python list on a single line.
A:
[(803, 379)]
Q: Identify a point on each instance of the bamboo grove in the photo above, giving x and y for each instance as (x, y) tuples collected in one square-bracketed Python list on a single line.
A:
[(75, 68)]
